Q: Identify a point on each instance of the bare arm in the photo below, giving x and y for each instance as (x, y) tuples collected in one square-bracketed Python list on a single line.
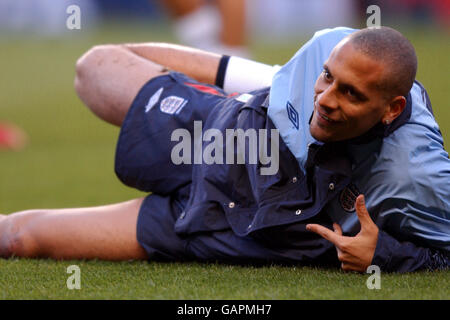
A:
[(108, 77), (235, 75), (198, 64)]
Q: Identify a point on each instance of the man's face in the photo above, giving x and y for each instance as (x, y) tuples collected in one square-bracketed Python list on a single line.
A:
[(347, 102)]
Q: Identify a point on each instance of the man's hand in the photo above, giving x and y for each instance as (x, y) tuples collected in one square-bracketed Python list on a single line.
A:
[(355, 253)]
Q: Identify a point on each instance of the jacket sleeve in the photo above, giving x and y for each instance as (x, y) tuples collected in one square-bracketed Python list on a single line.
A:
[(394, 256)]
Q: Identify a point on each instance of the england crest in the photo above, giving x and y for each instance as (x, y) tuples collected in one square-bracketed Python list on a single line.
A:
[(348, 197), (172, 104)]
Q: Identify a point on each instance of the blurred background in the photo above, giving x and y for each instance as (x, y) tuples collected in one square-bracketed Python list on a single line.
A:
[(55, 153)]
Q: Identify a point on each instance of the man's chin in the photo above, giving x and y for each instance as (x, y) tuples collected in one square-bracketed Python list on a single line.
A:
[(319, 134)]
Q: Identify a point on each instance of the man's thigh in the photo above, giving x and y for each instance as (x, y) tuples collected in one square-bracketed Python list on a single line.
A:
[(109, 77)]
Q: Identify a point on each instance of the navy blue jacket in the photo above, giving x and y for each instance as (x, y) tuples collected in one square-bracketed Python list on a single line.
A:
[(276, 208), (273, 209)]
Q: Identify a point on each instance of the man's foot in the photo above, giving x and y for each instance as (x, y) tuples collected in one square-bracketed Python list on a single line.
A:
[(12, 137)]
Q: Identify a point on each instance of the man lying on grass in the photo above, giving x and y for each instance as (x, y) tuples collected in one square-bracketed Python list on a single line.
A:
[(339, 162)]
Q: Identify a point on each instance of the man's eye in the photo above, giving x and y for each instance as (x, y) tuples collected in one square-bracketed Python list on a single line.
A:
[(351, 93), (326, 74)]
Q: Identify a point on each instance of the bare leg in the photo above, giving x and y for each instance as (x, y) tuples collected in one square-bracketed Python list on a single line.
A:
[(221, 29), (104, 232), (109, 77), (179, 8), (233, 22)]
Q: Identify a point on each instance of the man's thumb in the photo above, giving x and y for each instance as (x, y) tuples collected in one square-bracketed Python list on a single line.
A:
[(361, 210)]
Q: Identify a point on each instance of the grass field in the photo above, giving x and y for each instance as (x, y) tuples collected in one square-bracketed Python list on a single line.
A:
[(69, 163)]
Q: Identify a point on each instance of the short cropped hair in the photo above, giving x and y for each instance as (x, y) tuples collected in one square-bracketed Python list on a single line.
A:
[(391, 47)]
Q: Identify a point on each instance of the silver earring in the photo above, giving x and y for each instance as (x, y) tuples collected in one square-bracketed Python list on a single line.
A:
[(386, 122)]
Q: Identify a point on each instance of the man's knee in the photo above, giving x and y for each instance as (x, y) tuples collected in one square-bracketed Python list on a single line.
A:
[(89, 77), (87, 64), (109, 77), (18, 239)]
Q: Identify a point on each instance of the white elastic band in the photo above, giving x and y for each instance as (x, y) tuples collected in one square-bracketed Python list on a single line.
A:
[(243, 75)]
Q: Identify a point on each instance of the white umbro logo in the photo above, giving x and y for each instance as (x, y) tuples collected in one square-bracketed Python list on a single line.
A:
[(153, 99)]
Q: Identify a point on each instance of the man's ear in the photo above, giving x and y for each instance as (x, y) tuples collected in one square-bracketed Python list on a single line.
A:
[(395, 108)]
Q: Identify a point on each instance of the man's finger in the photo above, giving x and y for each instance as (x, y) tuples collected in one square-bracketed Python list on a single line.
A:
[(351, 267), (361, 210), (337, 229), (345, 267), (324, 233)]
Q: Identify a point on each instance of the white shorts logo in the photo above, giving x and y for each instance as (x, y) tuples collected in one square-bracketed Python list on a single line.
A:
[(172, 104), (153, 100)]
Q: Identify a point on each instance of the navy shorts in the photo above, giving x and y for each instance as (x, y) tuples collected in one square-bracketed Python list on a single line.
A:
[(143, 161)]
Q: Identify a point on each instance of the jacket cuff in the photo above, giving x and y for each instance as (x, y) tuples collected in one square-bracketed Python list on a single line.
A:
[(383, 252), (394, 256)]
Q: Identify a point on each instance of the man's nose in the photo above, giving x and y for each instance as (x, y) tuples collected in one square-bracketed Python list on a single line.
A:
[(327, 98)]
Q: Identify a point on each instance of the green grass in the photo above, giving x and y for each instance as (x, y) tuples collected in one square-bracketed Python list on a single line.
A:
[(45, 279), (70, 163)]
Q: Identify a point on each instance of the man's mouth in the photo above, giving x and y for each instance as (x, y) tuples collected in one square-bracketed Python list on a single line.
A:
[(324, 119)]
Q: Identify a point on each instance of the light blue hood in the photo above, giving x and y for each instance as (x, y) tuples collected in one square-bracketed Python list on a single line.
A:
[(292, 91), (406, 183)]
